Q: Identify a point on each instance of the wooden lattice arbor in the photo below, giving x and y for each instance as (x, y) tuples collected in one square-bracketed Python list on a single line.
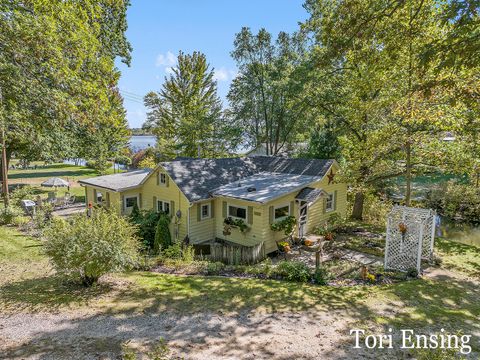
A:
[(410, 237)]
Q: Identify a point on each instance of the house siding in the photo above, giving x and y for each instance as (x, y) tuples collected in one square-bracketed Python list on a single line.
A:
[(170, 193), (202, 230), (209, 229)]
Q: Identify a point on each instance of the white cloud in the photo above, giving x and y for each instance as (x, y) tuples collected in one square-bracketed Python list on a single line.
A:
[(223, 74), (167, 59)]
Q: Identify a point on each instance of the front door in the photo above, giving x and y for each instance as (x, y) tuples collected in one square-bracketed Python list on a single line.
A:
[(302, 219)]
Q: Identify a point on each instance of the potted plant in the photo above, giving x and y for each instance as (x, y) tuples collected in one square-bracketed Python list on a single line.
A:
[(284, 246)]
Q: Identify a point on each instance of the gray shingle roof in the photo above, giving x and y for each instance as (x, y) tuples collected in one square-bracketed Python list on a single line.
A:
[(197, 178), (120, 181), (309, 194), (264, 187)]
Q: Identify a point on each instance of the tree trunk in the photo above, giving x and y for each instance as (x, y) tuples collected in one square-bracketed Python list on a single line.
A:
[(408, 174), (357, 212), (4, 168)]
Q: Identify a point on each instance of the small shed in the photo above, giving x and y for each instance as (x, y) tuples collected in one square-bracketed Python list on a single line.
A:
[(410, 237)]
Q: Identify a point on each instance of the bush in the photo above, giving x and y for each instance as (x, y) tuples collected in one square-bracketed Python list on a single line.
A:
[(146, 221), (214, 268), (457, 202), (88, 247), (21, 193), (293, 271), (412, 273), (43, 216), (376, 210), (163, 238), (177, 252), (321, 276), (8, 214)]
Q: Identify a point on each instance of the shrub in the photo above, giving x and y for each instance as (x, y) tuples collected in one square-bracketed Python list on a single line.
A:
[(214, 268), (321, 276), (21, 193), (173, 251), (293, 271), (8, 214), (88, 247), (412, 273), (163, 238), (43, 216), (146, 221), (458, 202), (376, 210)]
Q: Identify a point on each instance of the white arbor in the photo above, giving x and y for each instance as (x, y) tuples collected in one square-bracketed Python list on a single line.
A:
[(410, 237)]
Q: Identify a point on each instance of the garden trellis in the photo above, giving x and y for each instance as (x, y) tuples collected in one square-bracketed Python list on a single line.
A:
[(410, 238)]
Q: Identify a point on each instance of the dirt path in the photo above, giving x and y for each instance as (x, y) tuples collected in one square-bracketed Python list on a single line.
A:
[(200, 336)]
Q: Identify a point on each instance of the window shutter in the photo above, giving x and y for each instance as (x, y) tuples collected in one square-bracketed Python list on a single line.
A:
[(172, 208), (122, 199), (108, 199), (86, 195), (335, 200), (166, 180), (158, 178), (292, 204), (224, 209), (95, 196), (212, 214), (155, 206), (199, 212), (250, 215), (270, 214), (324, 205)]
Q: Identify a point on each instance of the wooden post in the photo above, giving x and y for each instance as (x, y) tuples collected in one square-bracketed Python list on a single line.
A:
[(317, 259)]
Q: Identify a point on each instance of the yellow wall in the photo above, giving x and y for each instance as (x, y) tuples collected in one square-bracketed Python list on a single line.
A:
[(170, 193), (209, 229)]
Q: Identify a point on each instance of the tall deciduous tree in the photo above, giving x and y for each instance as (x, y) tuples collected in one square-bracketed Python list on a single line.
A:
[(186, 114), (264, 96), (57, 72), (394, 104)]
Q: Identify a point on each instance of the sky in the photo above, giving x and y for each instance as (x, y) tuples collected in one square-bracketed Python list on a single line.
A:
[(159, 29)]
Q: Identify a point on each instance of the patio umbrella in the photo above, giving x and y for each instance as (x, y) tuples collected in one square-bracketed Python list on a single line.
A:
[(54, 182)]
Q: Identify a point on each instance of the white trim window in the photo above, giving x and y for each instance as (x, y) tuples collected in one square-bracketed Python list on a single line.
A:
[(100, 198), (330, 202), (130, 202), (163, 206), (237, 212), (163, 179), (205, 211), (281, 212)]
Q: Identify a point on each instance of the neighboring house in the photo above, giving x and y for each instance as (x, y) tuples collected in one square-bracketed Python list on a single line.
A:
[(201, 193)]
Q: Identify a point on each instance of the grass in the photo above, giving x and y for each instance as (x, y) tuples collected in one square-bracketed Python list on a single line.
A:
[(71, 173), (29, 284), (459, 257)]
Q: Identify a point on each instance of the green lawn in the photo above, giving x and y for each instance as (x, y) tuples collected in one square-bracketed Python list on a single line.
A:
[(29, 284), (71, 173), (459, 257)]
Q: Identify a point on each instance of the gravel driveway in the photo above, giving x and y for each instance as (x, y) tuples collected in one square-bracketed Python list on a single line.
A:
[(202, 336)]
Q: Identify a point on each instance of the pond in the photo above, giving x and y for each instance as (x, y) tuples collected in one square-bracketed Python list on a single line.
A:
[(463, 234)]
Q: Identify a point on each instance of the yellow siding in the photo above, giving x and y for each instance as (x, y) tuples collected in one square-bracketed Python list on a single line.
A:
[(169, 193), (213, 227), (112, 196), (255, 232), (202, 230)]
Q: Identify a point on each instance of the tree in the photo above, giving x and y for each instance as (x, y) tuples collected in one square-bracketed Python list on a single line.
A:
[(83, 247), (163, 238), (186, 115), (264, 96), (393, 105), (57, 74)]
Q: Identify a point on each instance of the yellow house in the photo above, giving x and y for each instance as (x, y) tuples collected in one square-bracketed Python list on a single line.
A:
[(200, 194)]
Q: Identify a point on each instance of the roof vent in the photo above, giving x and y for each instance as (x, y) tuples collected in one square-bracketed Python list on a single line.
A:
[(251, 189)]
